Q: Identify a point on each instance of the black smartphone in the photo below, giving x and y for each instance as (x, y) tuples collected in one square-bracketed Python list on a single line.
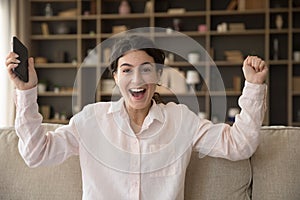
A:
[(22, 70)]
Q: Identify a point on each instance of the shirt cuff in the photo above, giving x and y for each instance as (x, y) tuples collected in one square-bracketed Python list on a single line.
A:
[(255, 91), (26, 97)]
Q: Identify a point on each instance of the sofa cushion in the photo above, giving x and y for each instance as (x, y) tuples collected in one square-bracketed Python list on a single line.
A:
[(276, 164), (17, 181), (217, 179)]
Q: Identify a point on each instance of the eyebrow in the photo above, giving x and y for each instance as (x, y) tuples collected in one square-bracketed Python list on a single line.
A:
[(130, 65)]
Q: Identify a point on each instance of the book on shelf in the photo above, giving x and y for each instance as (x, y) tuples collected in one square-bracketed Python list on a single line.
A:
[(234, 55), (236, 26)]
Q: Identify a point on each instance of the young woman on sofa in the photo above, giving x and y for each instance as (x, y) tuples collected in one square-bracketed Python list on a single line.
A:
[(135, 148)]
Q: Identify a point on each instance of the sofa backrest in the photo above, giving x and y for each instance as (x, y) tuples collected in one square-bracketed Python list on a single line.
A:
[(274, 173), (217, 179)]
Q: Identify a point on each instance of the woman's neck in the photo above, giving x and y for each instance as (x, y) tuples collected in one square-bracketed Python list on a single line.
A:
[(137, 117)]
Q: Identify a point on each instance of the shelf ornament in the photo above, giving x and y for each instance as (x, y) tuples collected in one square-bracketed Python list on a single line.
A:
[(124, 8)]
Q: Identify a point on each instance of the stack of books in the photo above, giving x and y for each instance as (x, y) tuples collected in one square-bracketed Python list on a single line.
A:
[(236, 26), (234, 56)]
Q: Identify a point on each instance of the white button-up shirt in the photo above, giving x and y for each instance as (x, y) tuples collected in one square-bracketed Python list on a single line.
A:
[(118, 164)]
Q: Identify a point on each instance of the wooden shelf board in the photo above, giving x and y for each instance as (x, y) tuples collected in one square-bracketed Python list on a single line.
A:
[(89, 36), (47, 1), (296, 30), (227, 93), (242, 32), (278, 10), (228, 63), (53, 18), (279, 31), (237, 12), (185, 14), (181, 34), (127, 16), (56, 94), (278, 62), (55, 37), (296, 93), (55, 65), (89, 17)]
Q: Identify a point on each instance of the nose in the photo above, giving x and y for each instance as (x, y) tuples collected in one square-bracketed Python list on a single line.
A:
[(137, 77)]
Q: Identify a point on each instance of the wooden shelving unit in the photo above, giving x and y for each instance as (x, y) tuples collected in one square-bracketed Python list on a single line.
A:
[(92, 25)]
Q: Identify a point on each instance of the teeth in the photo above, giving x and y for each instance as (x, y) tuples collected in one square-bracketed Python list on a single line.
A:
[(137, 90)]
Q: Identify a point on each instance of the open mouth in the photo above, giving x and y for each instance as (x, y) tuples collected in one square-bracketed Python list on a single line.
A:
[(137, 93)]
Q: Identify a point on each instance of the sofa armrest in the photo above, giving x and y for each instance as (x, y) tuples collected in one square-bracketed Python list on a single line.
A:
[(18, 181), (276, 164)]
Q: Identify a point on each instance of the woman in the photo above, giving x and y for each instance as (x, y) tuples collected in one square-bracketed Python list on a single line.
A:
[(136, 148)]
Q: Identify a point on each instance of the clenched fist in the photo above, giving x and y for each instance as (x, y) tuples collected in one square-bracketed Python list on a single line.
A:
[(255, 70)]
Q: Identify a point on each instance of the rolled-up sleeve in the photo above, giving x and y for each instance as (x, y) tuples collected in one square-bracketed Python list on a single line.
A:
[(240, 140)]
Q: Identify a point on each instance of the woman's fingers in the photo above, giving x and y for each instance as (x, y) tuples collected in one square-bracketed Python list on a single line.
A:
[(11, 60), (256, 63)]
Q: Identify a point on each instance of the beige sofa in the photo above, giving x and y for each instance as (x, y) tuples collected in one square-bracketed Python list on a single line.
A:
[(272, 173)]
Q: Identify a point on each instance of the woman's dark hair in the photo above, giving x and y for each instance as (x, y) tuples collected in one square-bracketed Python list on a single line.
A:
[(135, 42)]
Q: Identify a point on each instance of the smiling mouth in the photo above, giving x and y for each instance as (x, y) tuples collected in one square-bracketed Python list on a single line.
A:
[(137, 93)]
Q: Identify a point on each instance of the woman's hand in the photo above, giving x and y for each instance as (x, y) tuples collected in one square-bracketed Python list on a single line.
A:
[(255, 70), (11, 63)]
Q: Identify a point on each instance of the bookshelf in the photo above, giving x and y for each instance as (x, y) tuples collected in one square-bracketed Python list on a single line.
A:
[(91, 22)]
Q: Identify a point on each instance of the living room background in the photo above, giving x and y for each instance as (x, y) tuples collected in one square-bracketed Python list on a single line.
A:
[(61, 37)]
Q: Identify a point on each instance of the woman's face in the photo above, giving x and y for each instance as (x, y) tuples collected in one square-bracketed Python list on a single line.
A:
[(136, 77)]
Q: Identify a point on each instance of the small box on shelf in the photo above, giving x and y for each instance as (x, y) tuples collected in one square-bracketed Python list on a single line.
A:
[(255, 4), (296, 84), (119, 29)]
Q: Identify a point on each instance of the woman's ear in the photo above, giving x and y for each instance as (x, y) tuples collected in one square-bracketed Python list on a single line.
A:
[(115, 77)]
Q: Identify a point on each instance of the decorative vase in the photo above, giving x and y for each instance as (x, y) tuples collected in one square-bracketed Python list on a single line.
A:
[(192, 78), (124, 7), (48, 10), (193, 58), (41, 87), (62, 28), (177, 24), (279, 21)]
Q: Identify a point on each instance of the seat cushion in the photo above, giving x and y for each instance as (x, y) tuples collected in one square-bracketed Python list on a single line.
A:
[(276, 164), (217, 178), (17, 181)]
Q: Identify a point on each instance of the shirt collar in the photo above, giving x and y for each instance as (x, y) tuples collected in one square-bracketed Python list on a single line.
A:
[(155, 111), (116, 106)]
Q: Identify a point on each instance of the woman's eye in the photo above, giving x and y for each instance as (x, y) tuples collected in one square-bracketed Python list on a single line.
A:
[(147, 68), (126, 70)]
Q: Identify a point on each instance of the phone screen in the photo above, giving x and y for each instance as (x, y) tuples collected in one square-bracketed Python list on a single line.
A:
[(22, 70)]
